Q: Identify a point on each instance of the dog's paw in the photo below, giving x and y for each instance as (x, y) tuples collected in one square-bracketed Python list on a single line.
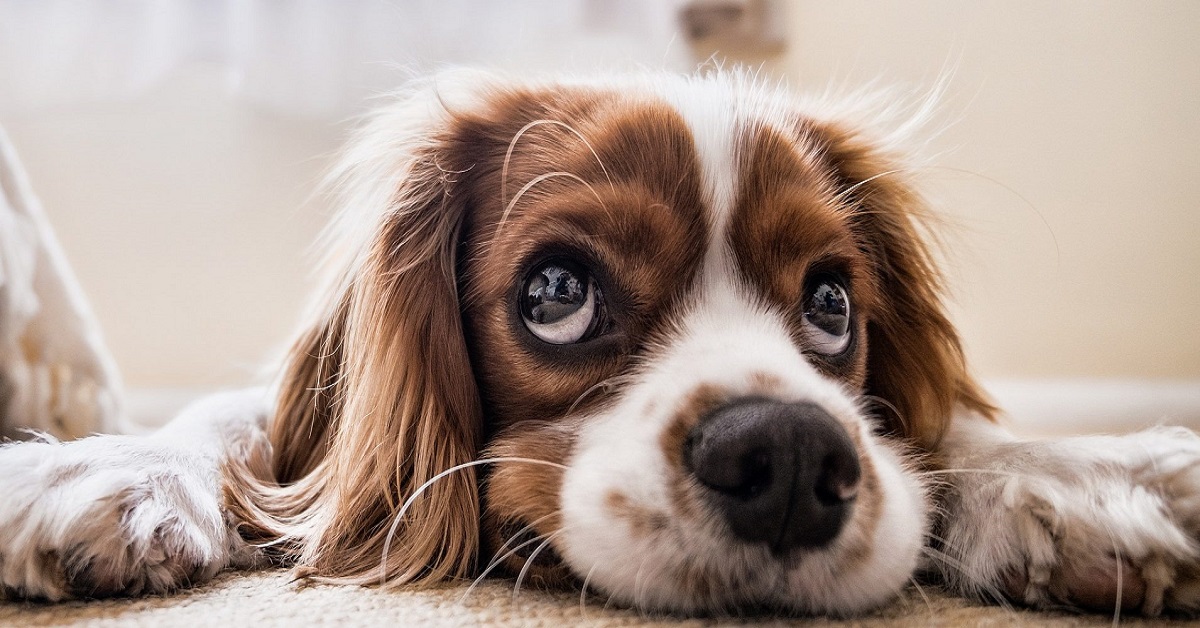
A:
[(110, 515), (1088, 522)]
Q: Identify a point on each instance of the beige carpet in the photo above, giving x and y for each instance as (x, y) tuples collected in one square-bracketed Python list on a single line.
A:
[(270, 598)]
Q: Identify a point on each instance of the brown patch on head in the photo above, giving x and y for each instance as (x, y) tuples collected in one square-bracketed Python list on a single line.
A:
[(787, 227), (818, 198), (629, 210), (915, 361)]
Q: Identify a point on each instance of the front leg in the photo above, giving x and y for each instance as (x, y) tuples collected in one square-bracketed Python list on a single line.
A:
[(1092, 521), (128, 515)]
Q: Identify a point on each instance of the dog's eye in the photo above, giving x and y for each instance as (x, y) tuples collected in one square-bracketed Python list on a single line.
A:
[(827, 316), (561, 303)]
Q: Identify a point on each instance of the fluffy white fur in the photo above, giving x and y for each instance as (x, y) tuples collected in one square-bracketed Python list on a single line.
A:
[(127, 514), (1071, 511)]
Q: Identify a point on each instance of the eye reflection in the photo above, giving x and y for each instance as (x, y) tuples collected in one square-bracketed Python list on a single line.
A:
[(827, 316), (554, 293), (560, 303)]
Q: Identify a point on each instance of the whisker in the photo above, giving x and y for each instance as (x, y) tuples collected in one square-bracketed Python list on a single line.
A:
[(387, 541), (497, 562), (536, 180), (498, 558), (638, 588), (844, 194), (891, 406), (512, 145), (921, 592), (1011, 190), (529, 562), (945, 560), (1112, 538), (1120, 586), (607, 383), (609, 599), (583, 592), (997, 472)]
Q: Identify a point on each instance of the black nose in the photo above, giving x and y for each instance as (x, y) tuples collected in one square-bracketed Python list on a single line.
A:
[(783, 474)]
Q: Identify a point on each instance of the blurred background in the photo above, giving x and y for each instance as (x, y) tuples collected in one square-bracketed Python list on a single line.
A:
[(176, 144)]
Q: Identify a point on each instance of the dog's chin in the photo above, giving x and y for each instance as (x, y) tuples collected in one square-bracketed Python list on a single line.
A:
[(692, 565)]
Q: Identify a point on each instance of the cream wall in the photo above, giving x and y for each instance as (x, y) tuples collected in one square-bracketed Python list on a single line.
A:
[(186, 218), (1068, 170), (1069, 167)]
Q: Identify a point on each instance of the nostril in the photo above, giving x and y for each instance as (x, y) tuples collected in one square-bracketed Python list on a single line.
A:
[(838, 480)]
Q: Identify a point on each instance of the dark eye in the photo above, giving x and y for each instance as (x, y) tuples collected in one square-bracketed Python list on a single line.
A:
[(827, 316), (561, 303)]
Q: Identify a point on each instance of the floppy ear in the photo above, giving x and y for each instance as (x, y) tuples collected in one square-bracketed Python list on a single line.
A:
[(915, 361), (378, 396)]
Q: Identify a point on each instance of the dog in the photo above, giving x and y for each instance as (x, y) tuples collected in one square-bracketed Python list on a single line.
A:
[(677, 340)]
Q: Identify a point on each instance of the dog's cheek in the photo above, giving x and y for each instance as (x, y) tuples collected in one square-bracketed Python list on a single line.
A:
[(522, 520)]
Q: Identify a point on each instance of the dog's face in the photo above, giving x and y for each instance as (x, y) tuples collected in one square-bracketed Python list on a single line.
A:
[(691, 323), (680, 322)]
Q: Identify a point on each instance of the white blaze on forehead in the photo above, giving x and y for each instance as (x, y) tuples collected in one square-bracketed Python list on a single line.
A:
[(711, 111), (720, 112)]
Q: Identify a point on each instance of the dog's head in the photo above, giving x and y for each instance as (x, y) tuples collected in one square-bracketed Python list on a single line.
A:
[(690, 321)]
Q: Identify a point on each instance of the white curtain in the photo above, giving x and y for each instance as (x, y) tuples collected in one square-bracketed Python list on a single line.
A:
[(56, 375), (311, 57)]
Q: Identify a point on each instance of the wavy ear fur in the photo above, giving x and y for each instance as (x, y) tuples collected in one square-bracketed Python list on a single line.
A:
[(915, 361), (378, 396)]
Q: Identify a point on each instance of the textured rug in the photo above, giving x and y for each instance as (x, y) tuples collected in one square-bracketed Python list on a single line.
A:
[(270, 598)]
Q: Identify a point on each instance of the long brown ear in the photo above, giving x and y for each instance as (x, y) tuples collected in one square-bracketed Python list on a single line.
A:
[(378, 396), (915, 361)]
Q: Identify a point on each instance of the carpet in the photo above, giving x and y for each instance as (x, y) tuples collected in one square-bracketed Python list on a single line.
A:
[(270, 598)]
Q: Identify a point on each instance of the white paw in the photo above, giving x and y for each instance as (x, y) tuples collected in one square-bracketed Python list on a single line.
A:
[(1083, 522), (110, 515)]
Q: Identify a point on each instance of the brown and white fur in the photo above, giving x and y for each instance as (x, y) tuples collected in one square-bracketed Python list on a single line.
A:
[(706, 210)]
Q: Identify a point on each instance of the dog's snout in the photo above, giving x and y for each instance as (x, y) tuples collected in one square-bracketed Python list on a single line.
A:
[(783, 474)]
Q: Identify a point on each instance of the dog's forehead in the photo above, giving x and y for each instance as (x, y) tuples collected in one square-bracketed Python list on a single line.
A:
[(769, 192), (685, 198), (711, 150), (723, 122), (662, 184)]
